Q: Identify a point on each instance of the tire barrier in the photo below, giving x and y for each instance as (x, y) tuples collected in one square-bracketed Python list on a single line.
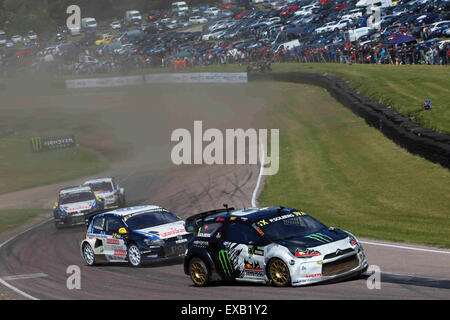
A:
[(431, 145)]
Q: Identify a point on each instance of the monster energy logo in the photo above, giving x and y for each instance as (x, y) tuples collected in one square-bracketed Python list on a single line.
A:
[(225, 261), (39, 144), (36, 144), (320, 237)]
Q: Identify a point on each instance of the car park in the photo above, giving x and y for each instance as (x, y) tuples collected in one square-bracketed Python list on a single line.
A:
[(115, 25)]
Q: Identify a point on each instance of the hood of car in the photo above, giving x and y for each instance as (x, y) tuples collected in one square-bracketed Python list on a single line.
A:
[(312, 240), (78, 206), (164, 231), (104, 193)]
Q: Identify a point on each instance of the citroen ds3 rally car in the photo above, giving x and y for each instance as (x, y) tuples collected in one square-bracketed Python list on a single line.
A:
[(136, 235), (73, 204), (277, 245)]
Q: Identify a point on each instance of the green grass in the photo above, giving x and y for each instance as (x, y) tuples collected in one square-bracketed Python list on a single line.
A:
[(348, 175), (403, 88), (20, 169), (12, 219)]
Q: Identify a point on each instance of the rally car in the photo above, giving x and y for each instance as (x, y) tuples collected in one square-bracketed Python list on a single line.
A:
[(73, 204), (277, 245), (135, 235), (106, 188)]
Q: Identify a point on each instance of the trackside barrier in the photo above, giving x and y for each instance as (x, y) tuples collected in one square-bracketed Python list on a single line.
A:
[(204, 77), (426, 143), (104, 82)]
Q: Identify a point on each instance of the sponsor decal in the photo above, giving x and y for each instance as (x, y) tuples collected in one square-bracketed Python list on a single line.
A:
[(199, 243), (112, 241), (314, 275), (252, 266), (254, 251), (172, 232), (40, 144), (320, 237), (120, 252), (225, 262)]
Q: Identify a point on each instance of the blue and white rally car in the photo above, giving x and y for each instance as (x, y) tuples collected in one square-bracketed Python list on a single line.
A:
[(74, 205), (136, 235)]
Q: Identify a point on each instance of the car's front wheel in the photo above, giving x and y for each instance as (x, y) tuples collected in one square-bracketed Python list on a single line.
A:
[(88, 255), (199, 272), (134, 256), (279, 273)]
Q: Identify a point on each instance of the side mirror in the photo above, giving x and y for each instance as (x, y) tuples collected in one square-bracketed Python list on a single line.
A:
[(123, 231)]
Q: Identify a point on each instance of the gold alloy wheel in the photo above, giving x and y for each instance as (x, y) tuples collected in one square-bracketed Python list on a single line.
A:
[(279, 273), (198, 273)]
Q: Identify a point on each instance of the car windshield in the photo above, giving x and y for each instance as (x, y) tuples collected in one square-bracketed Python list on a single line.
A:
[(101, 186), (279, 227), (150, 219), (67, 198)]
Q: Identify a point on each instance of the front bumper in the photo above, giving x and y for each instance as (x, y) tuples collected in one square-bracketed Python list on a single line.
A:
[(338, 268), (170, 250), (69, 219), (111, 203)]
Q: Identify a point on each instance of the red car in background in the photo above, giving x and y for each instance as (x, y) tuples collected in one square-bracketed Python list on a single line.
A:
[(289, 11), (226, 6), (240, 15), (339, 7)]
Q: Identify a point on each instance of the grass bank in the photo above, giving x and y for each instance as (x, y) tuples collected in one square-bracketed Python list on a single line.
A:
[(347, 174), (12, 219), (21, 169)]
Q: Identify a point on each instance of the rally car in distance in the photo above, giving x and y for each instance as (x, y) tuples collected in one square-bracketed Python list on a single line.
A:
[(277, 245), (106, 188), (73, 204), (136, 235)]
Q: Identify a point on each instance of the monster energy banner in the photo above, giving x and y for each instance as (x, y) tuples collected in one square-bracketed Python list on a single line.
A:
[(40, 144)]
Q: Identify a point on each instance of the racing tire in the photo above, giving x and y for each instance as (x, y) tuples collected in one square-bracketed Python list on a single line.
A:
[(279, 273), (88, 255), (134, 255), (199, 273)]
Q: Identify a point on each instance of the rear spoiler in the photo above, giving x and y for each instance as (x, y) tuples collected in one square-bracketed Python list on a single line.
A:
[(90, 215), (191, 223)]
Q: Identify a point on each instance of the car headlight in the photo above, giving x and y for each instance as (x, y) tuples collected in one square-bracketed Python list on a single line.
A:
[(154, 242), (352, 240), (308, 253)]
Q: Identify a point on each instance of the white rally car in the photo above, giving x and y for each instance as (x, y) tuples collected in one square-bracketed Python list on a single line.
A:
[(136, 235), (106, 188), (282, 246)]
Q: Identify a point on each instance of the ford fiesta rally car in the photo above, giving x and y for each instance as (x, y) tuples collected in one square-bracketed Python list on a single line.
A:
[(107, 189), (74, 204), (277, 245), (135, 235)]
